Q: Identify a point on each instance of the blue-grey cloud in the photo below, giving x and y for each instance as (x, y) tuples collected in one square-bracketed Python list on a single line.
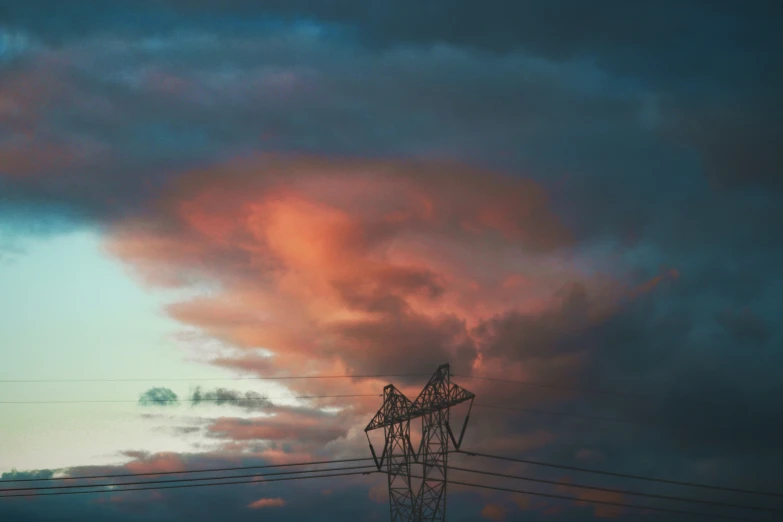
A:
[(221, 396), (158, 397), (27, 475)]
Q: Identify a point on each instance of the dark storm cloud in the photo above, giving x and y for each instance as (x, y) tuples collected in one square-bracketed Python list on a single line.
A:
[(711, 65), (124, 116), (701, 405), (558, 29), (745, 325), (402, 341), (555, 331)]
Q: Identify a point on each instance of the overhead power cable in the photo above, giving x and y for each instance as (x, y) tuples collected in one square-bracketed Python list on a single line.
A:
[(259, 378), (183, 486), (623, 475), (613, 490), (162, 402), (198, 479), (603, 502), (182, 472)]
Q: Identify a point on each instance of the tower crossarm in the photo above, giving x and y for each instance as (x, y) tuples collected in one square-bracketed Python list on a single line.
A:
[(439, 393), (396, 408)]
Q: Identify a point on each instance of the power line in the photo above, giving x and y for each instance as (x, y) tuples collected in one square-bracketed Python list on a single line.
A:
[(604, 502), (183, 379), (199, 479), (206, 470), (153, 402), (613, 490), (623, 475), (183, 486)]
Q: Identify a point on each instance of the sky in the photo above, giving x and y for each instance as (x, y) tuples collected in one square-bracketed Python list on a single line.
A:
[(582, 194)]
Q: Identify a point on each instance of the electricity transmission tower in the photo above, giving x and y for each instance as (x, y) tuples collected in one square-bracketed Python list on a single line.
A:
[(428, 502)]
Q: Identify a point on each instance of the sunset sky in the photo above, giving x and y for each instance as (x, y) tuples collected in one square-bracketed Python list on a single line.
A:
[(587, 195)]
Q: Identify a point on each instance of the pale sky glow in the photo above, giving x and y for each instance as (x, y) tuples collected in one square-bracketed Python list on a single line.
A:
[(68, 311)]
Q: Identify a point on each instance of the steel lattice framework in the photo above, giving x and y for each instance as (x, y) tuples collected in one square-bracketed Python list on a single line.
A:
[(433, 406), (394, 418)]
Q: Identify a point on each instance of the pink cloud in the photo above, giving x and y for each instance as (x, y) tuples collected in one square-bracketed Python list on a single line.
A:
[(494, 512), (355, 266), (159, 462), (303, 426), (599, 510), (267, 502), (338, 261)]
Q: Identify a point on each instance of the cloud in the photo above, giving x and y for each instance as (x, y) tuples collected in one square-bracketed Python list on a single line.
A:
[(267, 502), (525, 110), (334, 262), (745, 325), (555, 330), (110, 101), (27, 475), (494, 512), (287, 424), (158, 397), (186, 430), (406, 22), (600, 511), (249, 400), (144, 462), (348, 494)]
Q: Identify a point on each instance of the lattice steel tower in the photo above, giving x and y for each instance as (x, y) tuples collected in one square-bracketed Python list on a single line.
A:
[(428, 502), (394, 418)]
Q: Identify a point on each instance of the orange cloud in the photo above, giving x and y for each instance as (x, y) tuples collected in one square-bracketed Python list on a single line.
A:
[(353, 266), (159, 462), (599, 510), (650, 285), (286, 425), (267, 502), (330, 258), (494, 512)]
